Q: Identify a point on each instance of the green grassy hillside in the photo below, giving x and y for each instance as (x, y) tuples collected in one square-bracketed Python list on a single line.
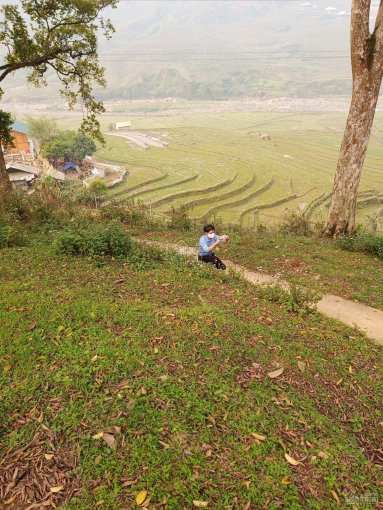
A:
[(115, 381), (218, 166)]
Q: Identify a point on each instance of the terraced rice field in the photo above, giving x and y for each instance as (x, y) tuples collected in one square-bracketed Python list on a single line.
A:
[(220, 168)]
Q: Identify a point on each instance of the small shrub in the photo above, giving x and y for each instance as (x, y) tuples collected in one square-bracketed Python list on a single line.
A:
[(346, 243), (68, 242), (265, 243), (143, 257), (94, 240), (14, 205), (10, 235), (133, 214), (94, 194), (298, 300), (261, 229), (365, 242), (5, 235), (179, 219), (295, 222)]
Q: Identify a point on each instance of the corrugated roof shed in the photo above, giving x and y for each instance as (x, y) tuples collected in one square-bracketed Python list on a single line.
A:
[(22, 167)]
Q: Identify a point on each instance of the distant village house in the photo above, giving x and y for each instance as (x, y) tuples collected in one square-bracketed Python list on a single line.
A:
[(123, 125), (21, 175), (23, 145)]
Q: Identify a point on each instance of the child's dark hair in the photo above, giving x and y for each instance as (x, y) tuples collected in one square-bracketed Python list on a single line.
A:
[(208, 227)]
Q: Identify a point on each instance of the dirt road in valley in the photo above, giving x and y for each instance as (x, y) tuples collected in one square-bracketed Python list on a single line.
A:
[(142, 140)]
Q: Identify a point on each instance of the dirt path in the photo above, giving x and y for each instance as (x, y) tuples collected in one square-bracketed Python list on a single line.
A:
[(143, 140), (369, 320)]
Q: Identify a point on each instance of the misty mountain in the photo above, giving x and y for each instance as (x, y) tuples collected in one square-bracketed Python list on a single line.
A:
[(224, 49)]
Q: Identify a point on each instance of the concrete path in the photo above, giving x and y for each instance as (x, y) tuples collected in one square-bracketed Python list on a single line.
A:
[(367, 319)]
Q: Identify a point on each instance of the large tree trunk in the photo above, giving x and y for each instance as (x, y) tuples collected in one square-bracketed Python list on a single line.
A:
[(5, 183), (341, 216), (367, 70)]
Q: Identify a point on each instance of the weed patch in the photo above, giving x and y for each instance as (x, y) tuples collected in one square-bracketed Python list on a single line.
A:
[(94, 240), (11, 234), (297, 299), (365, 242), (296, 223)]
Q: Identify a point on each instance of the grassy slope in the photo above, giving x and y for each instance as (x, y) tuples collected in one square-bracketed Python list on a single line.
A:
[(216, 146), (178, 358), (312, 262)]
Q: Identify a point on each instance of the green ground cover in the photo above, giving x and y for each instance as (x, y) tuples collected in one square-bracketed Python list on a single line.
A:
[(315, 263), (172, 362)]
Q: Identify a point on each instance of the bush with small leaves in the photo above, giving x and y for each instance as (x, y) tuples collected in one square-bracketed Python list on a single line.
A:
[(296, 299), (179, 219), (94, 240), (143, 257), (10, 234), (365, 242), (296, 223)]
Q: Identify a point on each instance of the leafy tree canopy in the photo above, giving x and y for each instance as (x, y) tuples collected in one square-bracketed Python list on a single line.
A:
[(6, 122), (42, 129), (58, 36), (68, 146), (98, 188)]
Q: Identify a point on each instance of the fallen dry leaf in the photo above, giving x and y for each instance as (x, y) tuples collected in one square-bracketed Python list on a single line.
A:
[(335, 496), (48, 456), (96, 357), (258, 437), (200, 504), (301, 365), (286, 480), (109, 440), (57, 489), (98, 435), (140, 497), (10, 500), (40, 418), (290, 460), (276, 373), (32, 326)]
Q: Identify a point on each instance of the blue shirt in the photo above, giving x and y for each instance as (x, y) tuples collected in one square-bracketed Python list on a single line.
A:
[(204, 244)]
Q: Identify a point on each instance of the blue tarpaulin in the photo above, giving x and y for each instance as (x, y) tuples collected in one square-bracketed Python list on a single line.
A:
[(69, 166), (20, 126)]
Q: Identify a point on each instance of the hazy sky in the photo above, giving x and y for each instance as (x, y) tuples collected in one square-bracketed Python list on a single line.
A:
[(199, 37)]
